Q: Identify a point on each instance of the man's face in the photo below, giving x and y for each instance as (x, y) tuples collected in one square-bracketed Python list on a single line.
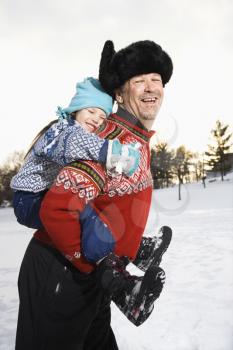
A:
[(142, 96)]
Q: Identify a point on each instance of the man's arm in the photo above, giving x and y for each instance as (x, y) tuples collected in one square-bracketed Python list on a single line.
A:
[(63, 204)]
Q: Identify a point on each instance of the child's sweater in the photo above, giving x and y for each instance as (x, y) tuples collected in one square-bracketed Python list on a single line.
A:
[(64, 142)]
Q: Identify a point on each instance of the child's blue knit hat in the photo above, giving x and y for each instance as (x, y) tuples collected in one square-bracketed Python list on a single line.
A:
[(89, 93)]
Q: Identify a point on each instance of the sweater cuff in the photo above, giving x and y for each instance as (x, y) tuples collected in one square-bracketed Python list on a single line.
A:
[(82, 265)]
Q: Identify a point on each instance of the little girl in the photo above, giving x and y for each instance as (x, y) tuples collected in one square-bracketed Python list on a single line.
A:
[(65, 140)]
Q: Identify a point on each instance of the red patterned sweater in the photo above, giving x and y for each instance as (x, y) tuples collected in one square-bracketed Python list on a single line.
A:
[(87, 214)]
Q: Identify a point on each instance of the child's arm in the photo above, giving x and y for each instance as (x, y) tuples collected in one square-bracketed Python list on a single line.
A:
[(71, 144), (74, 143)]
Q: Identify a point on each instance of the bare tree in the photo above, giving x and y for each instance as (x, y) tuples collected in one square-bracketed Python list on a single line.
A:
[(181, 164)]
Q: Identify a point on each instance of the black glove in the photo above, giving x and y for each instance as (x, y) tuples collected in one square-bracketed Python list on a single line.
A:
[(111, 274)]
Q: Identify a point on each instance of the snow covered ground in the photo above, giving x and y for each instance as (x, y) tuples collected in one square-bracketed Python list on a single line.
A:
[(195, 310)]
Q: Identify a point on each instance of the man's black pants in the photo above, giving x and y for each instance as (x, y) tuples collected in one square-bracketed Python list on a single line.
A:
[(60, 308)]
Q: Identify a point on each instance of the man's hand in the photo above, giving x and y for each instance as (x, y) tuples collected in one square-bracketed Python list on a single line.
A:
[(110, 274)]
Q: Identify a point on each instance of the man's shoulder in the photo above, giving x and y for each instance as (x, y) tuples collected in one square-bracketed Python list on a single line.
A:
[(125, 127), (110, 129)]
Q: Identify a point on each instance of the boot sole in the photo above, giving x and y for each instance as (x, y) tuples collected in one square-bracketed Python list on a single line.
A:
[(156, 258)]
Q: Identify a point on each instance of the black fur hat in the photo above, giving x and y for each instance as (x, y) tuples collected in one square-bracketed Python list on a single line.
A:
[(141, 57)]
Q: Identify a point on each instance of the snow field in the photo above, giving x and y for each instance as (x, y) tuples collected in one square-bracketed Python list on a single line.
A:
[(195, 309)]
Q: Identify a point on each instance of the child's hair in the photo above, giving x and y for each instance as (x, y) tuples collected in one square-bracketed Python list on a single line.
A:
[(40, 133)]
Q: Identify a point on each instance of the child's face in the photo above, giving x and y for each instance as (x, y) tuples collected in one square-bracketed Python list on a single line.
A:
[(90, 118)]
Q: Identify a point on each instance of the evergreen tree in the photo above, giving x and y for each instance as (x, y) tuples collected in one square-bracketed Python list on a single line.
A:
[(217, 151)]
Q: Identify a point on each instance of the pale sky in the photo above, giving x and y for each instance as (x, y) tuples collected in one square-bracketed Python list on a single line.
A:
[(49, 45)]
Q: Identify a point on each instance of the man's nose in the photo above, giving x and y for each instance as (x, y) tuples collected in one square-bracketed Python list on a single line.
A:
[(149, 86)]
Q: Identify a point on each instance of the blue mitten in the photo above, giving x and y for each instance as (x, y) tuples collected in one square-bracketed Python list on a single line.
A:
[(97, 239), (123, 158)]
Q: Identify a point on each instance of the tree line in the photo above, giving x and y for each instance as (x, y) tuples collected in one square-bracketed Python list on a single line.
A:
[(7, 171), (168, 166)]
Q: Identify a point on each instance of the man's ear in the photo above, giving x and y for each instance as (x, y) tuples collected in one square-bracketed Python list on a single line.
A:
[(118, 96)]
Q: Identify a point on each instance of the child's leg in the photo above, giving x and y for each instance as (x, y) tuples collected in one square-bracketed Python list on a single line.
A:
[(133, 295), (137, 301), (27, 207), (148, 259)]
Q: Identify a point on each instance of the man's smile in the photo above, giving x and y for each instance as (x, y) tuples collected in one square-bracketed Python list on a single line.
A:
[(149, 99)]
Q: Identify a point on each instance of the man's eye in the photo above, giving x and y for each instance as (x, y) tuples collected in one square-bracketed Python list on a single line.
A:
[(90, 111), (139, 81)]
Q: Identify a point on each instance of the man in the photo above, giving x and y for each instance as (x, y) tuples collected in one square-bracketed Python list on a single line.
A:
[(89, 216)]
